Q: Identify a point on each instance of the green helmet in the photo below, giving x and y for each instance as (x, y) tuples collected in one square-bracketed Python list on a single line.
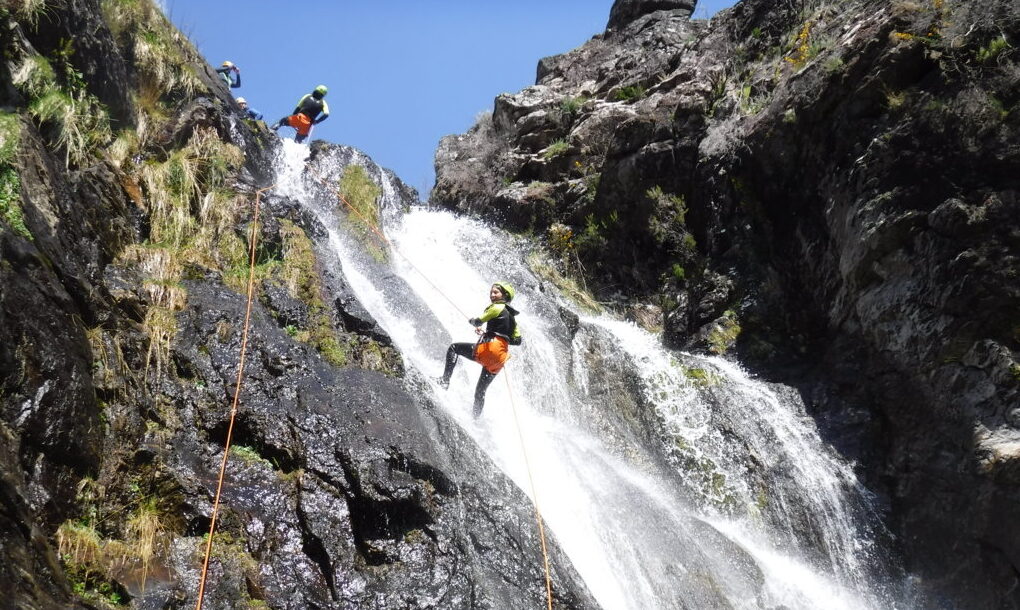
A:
[(506, 289), (321, 90)]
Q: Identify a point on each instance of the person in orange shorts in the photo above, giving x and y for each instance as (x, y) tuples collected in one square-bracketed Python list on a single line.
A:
[(306, 114), (491, 350)]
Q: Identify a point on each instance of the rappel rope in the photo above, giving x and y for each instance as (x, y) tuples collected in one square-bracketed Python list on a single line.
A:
[(237, 395), (240, 377), (534, 491), (520, 433)]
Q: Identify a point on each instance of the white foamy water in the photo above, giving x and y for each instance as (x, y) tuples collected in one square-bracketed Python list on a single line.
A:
[(674, 518)]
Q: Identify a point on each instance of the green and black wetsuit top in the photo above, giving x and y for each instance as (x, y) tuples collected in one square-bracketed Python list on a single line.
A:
[(499, 320), (311, 106)]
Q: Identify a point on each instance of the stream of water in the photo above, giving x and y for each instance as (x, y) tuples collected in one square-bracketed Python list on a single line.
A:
[(670, 480)]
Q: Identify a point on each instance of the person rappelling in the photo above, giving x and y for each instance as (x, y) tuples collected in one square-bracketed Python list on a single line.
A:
[(491, 349), (306, 114)]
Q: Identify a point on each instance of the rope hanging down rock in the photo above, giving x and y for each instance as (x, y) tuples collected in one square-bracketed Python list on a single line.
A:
[(240, 376), (237, 395), (520, 434)]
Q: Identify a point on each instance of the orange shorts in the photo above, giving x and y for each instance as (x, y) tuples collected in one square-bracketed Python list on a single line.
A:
[(492, 354), (301, 122)]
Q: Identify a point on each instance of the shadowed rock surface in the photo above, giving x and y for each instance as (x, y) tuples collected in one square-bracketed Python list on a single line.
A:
[(829, 192), (123, 275)]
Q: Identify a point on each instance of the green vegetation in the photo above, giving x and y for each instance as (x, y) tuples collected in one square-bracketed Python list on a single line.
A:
[(702, 378), (163, 56), (556, 149), (547, 271), (362, 194), (190, 178), (27, 11), (10, 182), (631, 93), (751, 103), (191, 221), (676, 204), (302, 281), (895, 99), (594, 236), (834, 64), (724, 333), (247, 455), (802, 48), (230, 552), (58, 98), (570, 106), (148, 535), (993, 49), (719, 82)]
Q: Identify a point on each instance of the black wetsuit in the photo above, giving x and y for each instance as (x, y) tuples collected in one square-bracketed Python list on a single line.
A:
[(311, 106), (499, 322)]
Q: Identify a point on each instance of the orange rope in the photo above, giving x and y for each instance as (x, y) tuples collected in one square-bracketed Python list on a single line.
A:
[(520, 434), (389, 243), (237, 396), (240, 376), (534, 492)]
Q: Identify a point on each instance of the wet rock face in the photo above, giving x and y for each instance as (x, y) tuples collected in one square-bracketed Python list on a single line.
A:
[(845, 200), (346, 487), (625, 11), (349, 493), (94, 53)]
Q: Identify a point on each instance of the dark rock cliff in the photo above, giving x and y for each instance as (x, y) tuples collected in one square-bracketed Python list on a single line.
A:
[(827, 191), (127, 184)]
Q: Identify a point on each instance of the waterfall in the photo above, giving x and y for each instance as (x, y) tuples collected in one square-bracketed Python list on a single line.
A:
[(670, 480)]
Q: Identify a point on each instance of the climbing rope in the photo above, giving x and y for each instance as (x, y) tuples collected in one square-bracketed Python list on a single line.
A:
[(534, 492), (520, 433), (237, 395), (240, 377), (386, 241)]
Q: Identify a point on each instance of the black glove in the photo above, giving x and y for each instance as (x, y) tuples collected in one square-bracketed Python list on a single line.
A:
[(475, 322), (319, 120)]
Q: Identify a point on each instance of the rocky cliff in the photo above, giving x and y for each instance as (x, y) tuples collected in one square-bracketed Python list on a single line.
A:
[(827, 191), (128, 184)]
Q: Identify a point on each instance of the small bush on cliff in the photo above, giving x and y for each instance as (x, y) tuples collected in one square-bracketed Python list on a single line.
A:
[(27, 11), (631, 93), (164, 58), (10, 182), (993, 49), (80, 121), (556, 149), (303, 283), (362, 194), (148, 535)]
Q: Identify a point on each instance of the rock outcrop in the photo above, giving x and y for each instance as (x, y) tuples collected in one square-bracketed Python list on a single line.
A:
[(832, 186), (123, 282), (625, 11)]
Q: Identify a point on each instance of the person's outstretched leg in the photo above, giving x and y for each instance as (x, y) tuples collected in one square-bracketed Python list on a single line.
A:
[(483, 384), (457, 349)]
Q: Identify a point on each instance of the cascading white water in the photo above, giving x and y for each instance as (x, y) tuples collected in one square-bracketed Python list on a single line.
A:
[(673, 519)]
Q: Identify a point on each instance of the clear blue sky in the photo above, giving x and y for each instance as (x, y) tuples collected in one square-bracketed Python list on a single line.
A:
[(401, 73)]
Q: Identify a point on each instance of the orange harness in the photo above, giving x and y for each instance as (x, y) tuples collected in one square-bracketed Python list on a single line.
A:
[(301, 122), (492, 354)]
